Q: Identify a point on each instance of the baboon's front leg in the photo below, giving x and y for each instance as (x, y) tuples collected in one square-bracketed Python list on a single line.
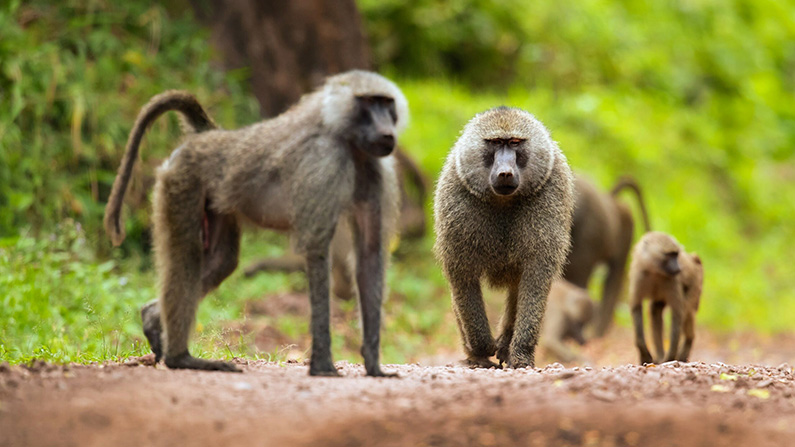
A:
[(317, 272), (370, 266), (676, 328), (656, 311), (610, 294), (530, 306), (507, 323), (690, 335), (640, 338), (473, 323)]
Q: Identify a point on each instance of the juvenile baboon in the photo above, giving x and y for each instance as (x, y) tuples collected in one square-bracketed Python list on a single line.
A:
[(569, 308), (601, 233), (411, 225), (664, 273), (503, 210), (324, 161)]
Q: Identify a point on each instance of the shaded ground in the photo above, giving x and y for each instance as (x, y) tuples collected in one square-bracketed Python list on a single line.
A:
[(674, 404)]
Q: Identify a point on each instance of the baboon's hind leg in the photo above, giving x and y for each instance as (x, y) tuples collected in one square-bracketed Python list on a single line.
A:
[(179, 250), (220, 261), (507, 324)]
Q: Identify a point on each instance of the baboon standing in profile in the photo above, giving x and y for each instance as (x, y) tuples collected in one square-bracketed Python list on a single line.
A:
[(503, 211), (601, 233), (663, 272), (324, 161), (569, 309)]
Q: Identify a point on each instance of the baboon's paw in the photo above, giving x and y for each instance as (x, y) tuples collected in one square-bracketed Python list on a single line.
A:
[(517, 362), (186, 361), (376, 372), (324, 373), (480, 362), (503, 347)]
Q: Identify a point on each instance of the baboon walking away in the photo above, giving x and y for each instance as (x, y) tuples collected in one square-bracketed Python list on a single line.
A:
[(602, 233), (502, 211), (325, 161)]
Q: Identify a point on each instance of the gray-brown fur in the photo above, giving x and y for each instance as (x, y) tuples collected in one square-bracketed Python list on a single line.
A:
[(324, 161), (516, 240), (411, 224), (569, 309), (602, 233), (664, 273)]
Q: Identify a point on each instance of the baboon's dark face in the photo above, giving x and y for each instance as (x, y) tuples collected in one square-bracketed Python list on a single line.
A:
[(375, 125), (670, 263), (505, 158)]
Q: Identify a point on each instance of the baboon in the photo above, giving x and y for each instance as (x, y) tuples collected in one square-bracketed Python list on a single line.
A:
[(601, 233), (326, 160), (411, 225), (569, 309), (663, 272), (503, 209)]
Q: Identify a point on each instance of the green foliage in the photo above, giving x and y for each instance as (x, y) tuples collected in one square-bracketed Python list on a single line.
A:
[(59, 303), (684, 49), (73, 76)]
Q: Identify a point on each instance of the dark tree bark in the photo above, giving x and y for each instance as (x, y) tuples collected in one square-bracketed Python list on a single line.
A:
[(289, 45)]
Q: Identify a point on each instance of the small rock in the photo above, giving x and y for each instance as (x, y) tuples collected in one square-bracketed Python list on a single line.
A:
[(242, 386)]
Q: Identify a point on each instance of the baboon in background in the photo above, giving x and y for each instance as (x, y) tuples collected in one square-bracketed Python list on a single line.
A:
[(324, 161), (602, 232), (663, 272), (569, 309), (503, 210), (411, 225)]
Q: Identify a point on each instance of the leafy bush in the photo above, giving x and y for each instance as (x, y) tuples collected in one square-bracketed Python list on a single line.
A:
[(73, 76)]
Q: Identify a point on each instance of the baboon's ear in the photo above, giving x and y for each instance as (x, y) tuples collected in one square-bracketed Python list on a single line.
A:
[(697, 259)]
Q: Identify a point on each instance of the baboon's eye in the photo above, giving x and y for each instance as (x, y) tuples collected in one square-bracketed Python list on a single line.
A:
[(514, 142)]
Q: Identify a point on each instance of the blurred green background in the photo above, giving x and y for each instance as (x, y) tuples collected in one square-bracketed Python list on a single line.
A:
[(696, 99)]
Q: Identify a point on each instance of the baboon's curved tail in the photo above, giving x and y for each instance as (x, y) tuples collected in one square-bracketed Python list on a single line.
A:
[(194, 119), (629, 182)]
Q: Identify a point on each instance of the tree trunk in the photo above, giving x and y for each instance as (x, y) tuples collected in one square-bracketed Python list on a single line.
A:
[(289, 45)]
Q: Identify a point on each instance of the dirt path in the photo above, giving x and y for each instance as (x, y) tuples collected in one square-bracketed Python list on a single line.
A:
[(694, 404)]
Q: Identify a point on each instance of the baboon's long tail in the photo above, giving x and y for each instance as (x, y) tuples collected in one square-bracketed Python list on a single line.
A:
[(193, 117), (629, 182)]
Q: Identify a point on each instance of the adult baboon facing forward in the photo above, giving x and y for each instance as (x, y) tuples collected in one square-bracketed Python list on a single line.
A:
[(503, 210), (601, 233), (323, 161)]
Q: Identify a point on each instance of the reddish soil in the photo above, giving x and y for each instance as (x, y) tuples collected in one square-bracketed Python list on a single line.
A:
[(692, 404)]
